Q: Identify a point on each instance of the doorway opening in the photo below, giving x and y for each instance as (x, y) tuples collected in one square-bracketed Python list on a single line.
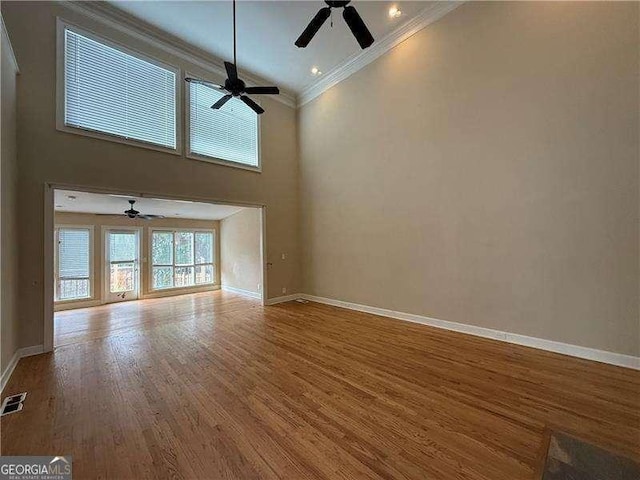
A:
[(115, 254)]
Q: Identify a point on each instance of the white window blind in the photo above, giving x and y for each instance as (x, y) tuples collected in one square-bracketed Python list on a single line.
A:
[(110, 91), (73, 262), (229, 133)]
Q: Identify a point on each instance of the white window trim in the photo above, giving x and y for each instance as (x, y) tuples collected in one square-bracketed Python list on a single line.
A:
[(174, 230), (204, 158), (61, 26), (56, 253)]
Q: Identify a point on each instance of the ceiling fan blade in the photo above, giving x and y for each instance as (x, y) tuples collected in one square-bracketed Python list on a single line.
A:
[(262, 90), (232, 72), (253, 105), (313, 27), (357, 26), (196, 81), (149, 217), (221, 102)]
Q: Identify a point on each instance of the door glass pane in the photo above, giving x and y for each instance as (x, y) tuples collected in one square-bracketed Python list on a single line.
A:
[(204, 247), (204, 274), (162, 248), (183, 276), (72, 289), (122, 277), (122, 246), (162, 277), (184, 249)]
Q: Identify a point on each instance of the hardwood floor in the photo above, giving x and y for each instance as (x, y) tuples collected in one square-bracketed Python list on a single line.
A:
[(73, 326), (214, 385)]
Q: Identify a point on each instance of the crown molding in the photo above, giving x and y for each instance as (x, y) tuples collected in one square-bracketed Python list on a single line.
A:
[(129, 25), (351, 65), (117, 19), (5, 34)]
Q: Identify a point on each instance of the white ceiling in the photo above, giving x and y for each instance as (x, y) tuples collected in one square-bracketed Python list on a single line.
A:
[(267, 31), (117, 204)]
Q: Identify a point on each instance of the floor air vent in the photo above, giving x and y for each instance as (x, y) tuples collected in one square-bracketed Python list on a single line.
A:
[(12, 404)]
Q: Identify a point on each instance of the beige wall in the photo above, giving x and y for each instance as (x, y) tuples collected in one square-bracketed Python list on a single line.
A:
[(8, 214), (486, 172), (240, 251), (101, 222), (47, 155)]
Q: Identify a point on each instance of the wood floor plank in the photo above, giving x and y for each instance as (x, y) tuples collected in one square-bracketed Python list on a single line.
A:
[(213, 385)]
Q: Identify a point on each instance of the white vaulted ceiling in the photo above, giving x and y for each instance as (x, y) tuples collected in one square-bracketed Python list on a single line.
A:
[(267, 31)]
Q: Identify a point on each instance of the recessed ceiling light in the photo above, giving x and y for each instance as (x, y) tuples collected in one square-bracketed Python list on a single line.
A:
[(315, 71), (395, 12), (71, 197)]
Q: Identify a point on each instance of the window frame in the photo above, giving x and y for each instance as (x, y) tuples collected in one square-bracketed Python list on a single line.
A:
[(205, 158), (61, 26), (173, 231), (56, 255)]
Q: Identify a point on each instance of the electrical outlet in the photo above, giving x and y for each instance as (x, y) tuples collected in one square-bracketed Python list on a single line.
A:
[(284, 256), (284, 289), (259, 287)]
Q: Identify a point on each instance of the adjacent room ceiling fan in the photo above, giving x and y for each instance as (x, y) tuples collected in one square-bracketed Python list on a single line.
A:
[(133, 213), (233, 86), (350, 15)]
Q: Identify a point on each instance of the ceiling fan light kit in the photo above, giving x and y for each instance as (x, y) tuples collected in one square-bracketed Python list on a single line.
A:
[(133, 213), (351, 17), (233, 85)]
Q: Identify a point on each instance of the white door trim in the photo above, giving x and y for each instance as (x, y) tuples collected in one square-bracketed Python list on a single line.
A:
[(104, 260), (48, 203), (263, 254)]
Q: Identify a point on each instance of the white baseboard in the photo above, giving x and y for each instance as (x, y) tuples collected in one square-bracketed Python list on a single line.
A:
[(587, 353), (20, 353), (241, 291), (285, 298), (6, 375), (176, 292), (73, 305)]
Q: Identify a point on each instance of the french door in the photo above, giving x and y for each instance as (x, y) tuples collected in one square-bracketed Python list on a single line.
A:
[(122, 262)]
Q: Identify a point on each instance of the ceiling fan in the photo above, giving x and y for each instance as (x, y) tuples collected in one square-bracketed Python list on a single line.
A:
[(233, 86), (350, 15), (133, 213)]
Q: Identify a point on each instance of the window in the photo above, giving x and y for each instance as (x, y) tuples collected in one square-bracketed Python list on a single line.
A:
[(181, 258), (229, 134), (73, 263), (110, 91)]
